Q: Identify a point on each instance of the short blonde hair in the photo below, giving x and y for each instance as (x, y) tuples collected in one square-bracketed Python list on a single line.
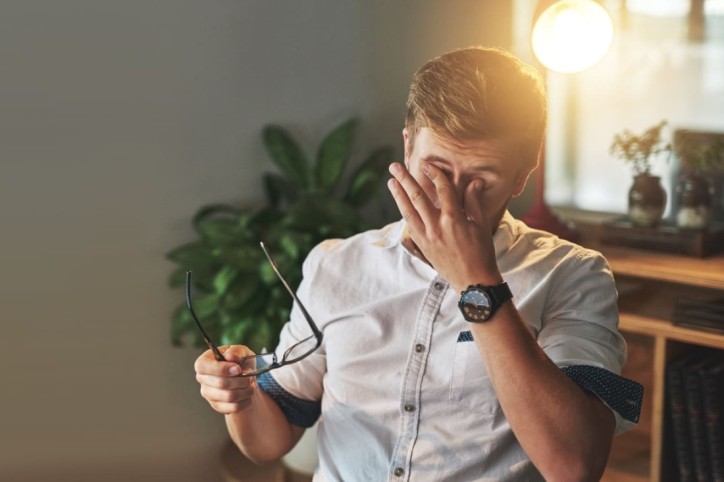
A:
[(478, 94)]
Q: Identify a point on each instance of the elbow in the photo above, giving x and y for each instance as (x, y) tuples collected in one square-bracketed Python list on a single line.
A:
[(262, 459), (258, 456), (576, 470)]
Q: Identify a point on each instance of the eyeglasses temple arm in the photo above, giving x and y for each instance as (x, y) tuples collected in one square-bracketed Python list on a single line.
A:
[(307, 316), (207, 338)]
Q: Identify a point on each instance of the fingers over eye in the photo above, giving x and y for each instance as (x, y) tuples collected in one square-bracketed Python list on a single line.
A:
[(413, 190), (411, 200), (447, 198)]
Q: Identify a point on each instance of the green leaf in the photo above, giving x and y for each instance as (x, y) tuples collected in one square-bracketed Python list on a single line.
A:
[(222, 231), (267, 275), (264, 219), (265, 334), (244, 258), (215, 210), (205, 305), (286, 154), (192, 256), (256, 303), (278, 188), (368, 177), (333, 155), (236, 332), (241, 291), (319, 212), (296, 245), (224, 278)]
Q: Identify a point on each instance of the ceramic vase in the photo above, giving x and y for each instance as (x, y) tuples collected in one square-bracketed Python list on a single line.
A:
[(646, 201), (693, 195)]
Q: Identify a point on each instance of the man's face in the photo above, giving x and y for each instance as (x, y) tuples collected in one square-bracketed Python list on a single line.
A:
[(488, 161)]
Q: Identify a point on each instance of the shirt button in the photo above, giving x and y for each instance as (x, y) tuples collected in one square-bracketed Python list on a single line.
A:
[(419, 348), (438, 286), (409, 408), (399, 471)]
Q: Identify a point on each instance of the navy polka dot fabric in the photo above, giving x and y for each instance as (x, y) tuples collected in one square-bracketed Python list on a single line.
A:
[(298, 411), (465, 336), (621, 394)]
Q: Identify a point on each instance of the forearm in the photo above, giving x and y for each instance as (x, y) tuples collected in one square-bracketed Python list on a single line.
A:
[(261, 431), (565, 431)]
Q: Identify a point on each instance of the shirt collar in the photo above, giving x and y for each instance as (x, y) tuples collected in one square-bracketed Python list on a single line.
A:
[(391, 235)]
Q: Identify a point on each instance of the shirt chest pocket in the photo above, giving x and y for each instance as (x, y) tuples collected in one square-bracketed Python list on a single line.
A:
[(470, 385)]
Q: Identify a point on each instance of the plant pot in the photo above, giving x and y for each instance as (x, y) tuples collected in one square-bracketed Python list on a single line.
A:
[(646, 201), (693, 194)]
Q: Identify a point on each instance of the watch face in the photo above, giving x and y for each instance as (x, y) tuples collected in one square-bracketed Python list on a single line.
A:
[(476, 305)]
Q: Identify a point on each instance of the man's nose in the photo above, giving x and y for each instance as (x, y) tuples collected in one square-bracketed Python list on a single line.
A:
[(460, 184)]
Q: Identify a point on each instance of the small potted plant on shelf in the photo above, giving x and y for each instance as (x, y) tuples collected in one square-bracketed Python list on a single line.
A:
[(646, 197), (699, 154)]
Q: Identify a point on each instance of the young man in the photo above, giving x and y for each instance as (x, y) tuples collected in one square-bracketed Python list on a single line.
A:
[(458, 343)]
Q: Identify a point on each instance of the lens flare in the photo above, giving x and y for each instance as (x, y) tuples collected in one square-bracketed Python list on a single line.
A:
[(572, 35)]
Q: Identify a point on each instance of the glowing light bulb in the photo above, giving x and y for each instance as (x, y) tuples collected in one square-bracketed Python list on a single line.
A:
[(572, 35)]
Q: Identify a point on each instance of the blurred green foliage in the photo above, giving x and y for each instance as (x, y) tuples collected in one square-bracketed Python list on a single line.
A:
[(235, 292)]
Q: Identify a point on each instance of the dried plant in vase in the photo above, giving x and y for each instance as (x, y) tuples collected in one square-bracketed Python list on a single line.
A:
[(646, 197), (700, 155)]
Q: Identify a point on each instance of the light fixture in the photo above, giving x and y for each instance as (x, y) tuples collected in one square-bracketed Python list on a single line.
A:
[(569, 36), (572, 35)]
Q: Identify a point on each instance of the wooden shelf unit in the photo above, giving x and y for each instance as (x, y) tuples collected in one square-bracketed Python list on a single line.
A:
[(649, 284)]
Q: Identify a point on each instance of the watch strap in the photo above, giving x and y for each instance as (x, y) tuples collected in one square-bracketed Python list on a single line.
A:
[(500, 293)]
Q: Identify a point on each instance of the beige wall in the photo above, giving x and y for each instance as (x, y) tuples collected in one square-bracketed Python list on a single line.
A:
[(117, 120)]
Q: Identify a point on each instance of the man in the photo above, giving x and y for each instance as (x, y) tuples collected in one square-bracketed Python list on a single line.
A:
[(514, 379)]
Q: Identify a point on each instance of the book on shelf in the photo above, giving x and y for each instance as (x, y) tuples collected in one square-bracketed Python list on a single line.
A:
[(712, 385), (695, 402), (679, 419), (701, 314), (697, 426)]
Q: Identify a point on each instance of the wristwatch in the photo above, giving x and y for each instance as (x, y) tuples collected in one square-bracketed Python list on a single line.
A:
[(479, 303)]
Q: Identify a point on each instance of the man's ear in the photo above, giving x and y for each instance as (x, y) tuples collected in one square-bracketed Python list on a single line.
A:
[(521, 181)]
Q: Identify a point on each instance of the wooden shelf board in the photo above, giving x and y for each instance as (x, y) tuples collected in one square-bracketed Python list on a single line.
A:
[(702, 272), (645, 325)]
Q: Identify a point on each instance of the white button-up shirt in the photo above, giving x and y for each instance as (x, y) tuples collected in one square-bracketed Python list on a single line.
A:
[(402, 390)]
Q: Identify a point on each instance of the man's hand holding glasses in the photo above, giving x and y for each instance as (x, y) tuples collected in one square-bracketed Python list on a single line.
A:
[(227, 375)]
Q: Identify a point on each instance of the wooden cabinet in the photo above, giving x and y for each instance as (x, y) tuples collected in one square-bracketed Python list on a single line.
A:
[(649, 284)]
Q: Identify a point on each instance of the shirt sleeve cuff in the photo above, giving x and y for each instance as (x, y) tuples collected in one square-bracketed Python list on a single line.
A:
[(620, 394), (298, 411)]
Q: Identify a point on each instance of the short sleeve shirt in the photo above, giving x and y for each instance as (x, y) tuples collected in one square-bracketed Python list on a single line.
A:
[(400, 390)]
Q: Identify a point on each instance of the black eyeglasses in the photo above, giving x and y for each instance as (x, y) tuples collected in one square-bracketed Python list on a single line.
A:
[(264, 362)]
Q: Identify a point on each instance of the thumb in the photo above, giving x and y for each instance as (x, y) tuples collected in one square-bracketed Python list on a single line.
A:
[(234, 353), (472, 201)]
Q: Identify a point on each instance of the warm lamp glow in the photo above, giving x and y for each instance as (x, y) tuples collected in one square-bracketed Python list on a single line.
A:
[(572, 35)]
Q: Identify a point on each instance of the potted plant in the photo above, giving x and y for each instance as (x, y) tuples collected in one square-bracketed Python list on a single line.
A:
[(236, 294), (699, 154), (646, 198)]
